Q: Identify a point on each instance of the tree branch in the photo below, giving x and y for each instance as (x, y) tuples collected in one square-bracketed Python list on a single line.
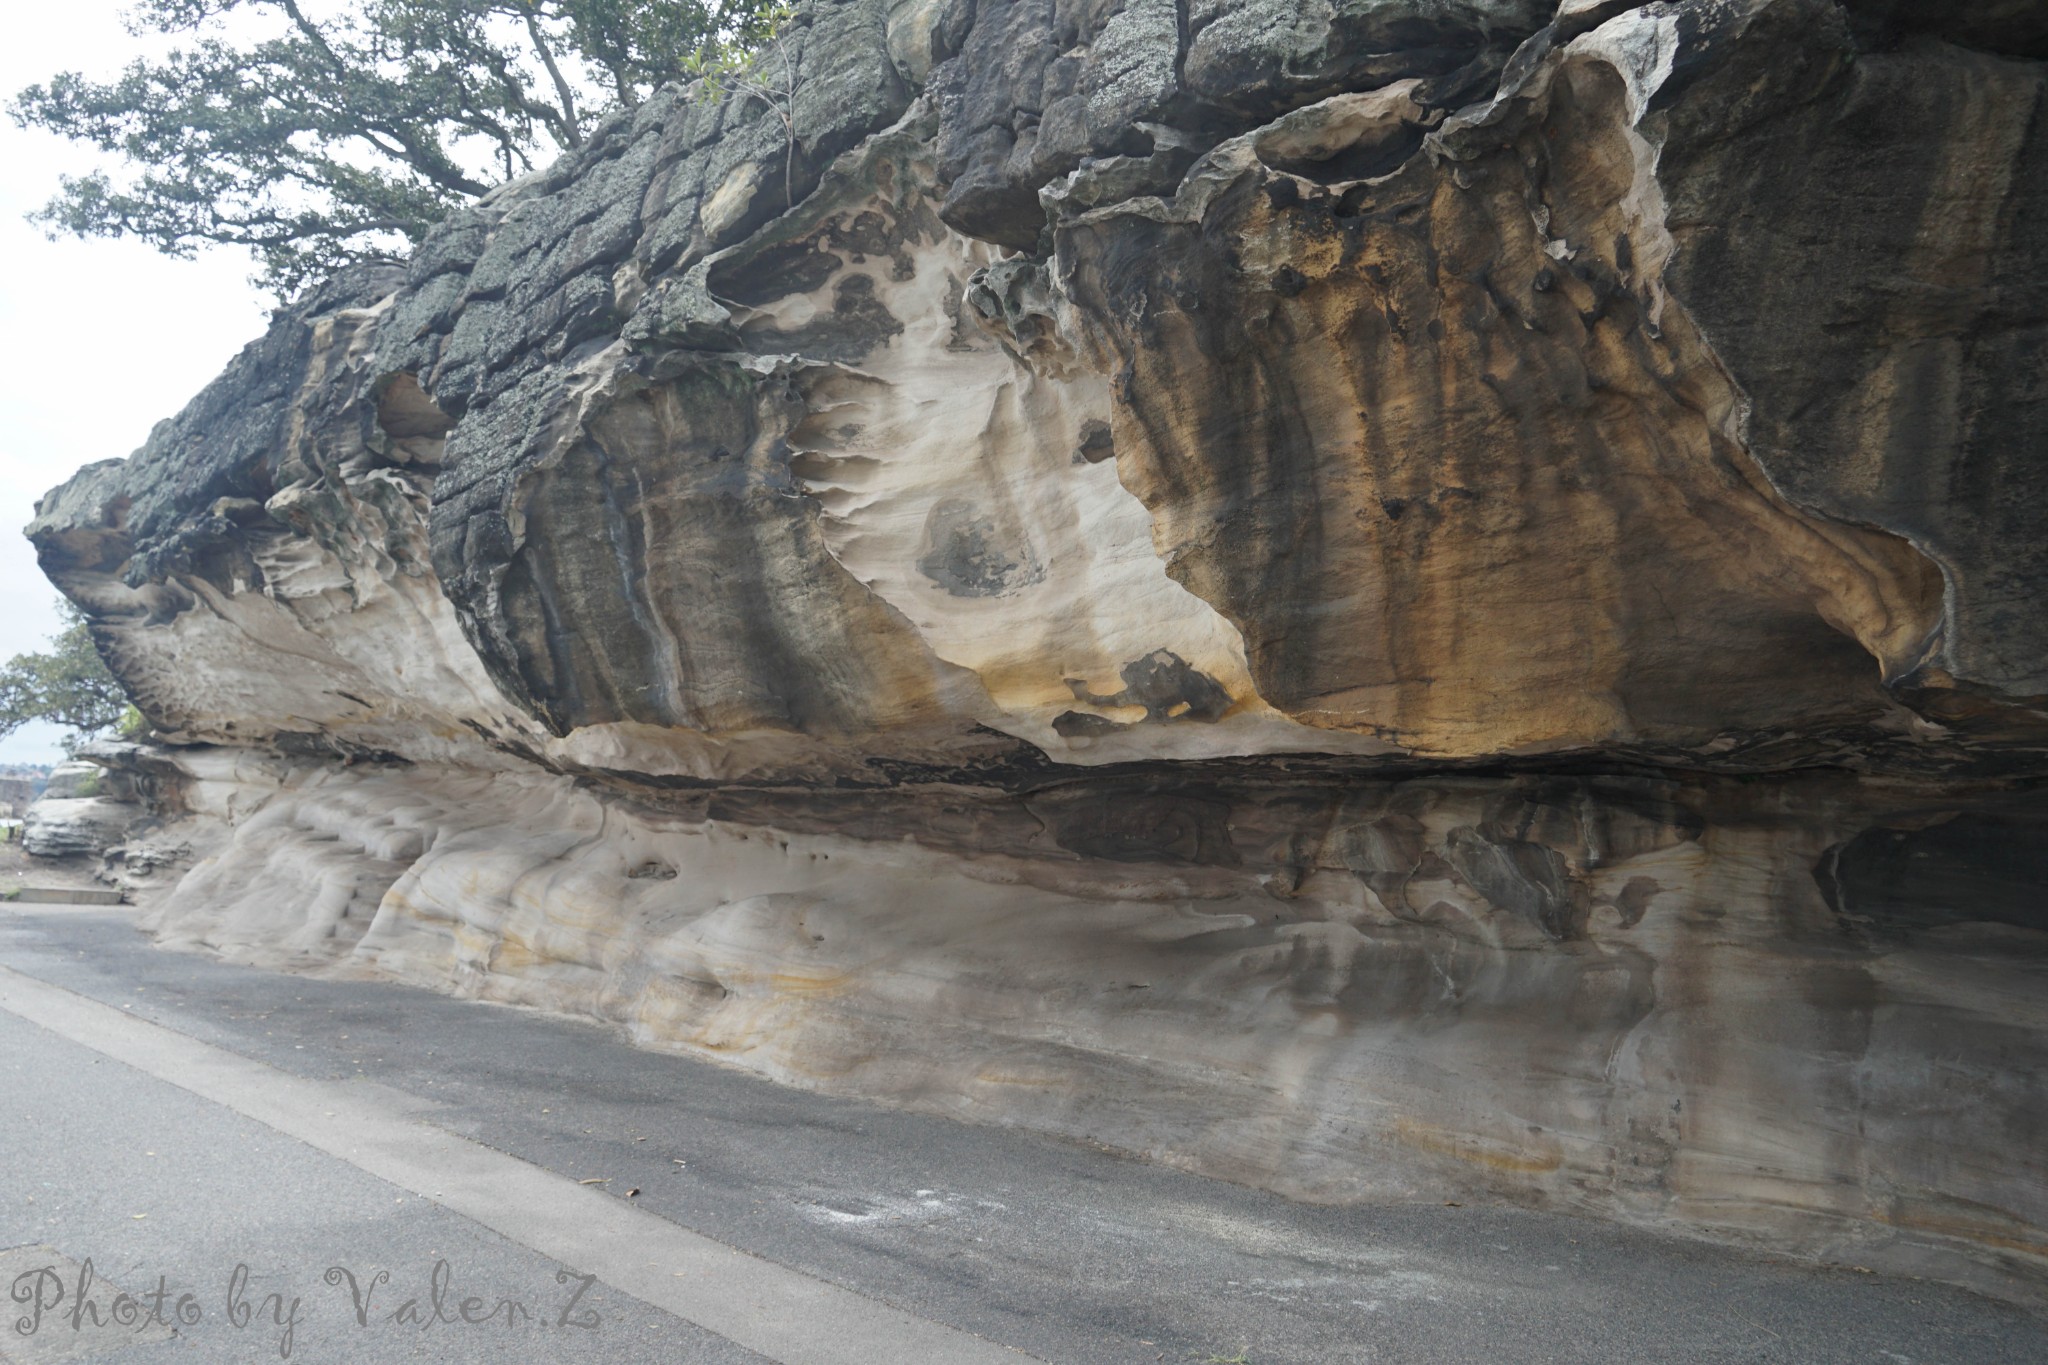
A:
[(562, 91), (314, 35)]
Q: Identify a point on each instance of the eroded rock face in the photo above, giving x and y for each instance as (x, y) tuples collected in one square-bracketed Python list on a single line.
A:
[(1379, 599), (83, 811), (85, 826)]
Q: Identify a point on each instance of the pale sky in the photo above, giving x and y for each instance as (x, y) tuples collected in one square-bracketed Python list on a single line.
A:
[(98, 340)]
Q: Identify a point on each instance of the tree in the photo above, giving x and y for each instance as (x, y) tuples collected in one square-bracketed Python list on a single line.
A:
[(70, 686), (356, 125)]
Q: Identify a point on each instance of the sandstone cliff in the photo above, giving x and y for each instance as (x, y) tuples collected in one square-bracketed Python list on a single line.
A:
[(1380, 598)]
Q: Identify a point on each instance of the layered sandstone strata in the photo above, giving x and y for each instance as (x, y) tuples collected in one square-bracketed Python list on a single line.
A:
[(1377, 598)]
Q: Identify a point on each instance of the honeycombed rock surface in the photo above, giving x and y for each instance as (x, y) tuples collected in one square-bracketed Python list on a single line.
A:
[(1379, 598)]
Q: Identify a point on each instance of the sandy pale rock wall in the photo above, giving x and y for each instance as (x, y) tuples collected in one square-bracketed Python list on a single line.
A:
[(1381, 599)]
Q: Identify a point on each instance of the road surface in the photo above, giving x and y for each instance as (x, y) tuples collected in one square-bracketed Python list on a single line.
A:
[(243, 1153)]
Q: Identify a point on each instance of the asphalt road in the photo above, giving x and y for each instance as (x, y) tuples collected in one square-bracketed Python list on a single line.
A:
[(982, 1237)]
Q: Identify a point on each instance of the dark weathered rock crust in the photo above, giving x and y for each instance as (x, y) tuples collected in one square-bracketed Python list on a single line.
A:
[(1378, 598)]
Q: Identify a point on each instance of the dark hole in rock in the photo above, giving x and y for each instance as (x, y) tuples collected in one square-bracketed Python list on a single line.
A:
[(1969, 869), (1166, 685), (1097, 443), (1081, 725), (1367, 159)]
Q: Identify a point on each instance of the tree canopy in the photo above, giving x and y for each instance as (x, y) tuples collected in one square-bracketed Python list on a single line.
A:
[(319, 134), (70, 685)]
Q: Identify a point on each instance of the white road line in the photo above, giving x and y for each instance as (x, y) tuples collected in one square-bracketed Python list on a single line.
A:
[(782, 1313)]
